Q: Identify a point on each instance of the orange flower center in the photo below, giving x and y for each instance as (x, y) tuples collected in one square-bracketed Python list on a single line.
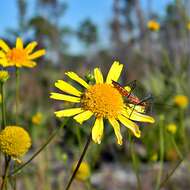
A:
[(103, 100), (17, 56)]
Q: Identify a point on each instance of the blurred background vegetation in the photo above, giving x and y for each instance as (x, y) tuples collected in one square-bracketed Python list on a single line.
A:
[(158, 60)]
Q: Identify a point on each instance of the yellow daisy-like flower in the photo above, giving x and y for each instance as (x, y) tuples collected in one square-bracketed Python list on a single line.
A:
[(4, 75), (101, 100), (83, 172), (14, 141), (19, 56), (37, 118), (181, 101), (171, 128), (153, 25)]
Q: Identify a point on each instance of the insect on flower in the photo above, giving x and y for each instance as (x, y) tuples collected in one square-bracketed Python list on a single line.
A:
[(133, 99)]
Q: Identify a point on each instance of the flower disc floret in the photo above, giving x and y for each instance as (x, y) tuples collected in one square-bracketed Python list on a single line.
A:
[(103, 100), (14, 141)]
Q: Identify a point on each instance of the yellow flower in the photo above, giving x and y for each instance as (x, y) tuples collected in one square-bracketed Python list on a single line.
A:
[(37, 118), (14, 141), (153, 25), (83, 172), (154, 157), (171, 128), (188, 25), (0, 98), (19, 56), (101, 100), (4, 75), (181, 101)]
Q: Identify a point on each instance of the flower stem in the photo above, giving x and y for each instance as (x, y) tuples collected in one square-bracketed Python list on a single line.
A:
[(161, 133), (3, 106), (17, 93), (135, 162), (176, 148), (38, 151), (3, 117), (162, 184), (79, 162), (7, 166)]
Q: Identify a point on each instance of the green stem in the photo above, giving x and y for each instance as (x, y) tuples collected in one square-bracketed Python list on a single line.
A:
[(79, 162), (176, 148), (161, 133), (3, 106), (17, 94), (37, 152), (3, 117), (135, 163), (183, 132), (7, 166)]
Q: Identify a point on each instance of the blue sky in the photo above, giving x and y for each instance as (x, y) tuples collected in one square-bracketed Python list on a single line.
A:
[(100, 11)]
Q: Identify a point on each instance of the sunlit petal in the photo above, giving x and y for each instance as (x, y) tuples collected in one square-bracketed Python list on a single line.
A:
[(76, 78), (30, 47), (4, 46), (130, 124), (68, 112), (114, 72), (98, 76), (128, 112), (66, 87), (116, 128), (97, 130), (80, 118), (37, 54), (19, 43), (58, 96), (2, 54)]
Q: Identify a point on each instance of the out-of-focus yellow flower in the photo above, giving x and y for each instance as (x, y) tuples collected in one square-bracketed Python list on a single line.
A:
[(0, 98), (4, 75), (171, 128), (188, 25), (181, 101), (154, 157), (14, 141), (83, 172), (101, 100), (37, 118), (153, 25), (19, 56)]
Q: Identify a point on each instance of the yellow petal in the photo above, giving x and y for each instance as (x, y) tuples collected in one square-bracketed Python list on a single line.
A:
[(29, 64), (80, 118), (68, 112), (76, 78), (58, 96), (97, 130), (4, 46), (66, 87), (2, 54), (130, 124), (129, 112), (29, 48), (114, 72), (138, 108), (4, 63), (128, 88), (98, 76), (116, 128), (19, 43), (37, 54)]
